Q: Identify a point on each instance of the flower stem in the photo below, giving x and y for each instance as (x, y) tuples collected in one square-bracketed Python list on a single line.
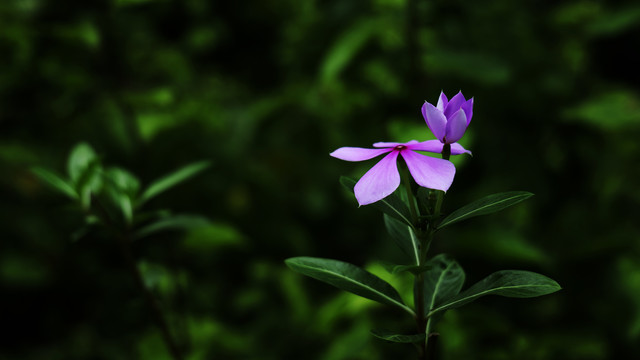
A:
[(419, 289), (431, 355), (424, 323), (424, 239), (446, 154), (446, 151)]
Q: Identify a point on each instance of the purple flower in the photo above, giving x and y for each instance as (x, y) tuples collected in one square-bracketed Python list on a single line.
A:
[(449, 120), (383, 179)]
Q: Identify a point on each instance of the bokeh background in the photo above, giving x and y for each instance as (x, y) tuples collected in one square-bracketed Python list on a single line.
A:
[(265, 89)]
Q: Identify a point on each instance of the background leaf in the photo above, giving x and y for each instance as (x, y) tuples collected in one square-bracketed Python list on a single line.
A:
[(55, 181), (348, 277), (123, 188), (80, 159), (173, 179), (84, 170), (176, 222), (486, 205)]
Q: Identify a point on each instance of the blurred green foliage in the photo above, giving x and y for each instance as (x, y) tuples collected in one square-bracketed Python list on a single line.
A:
[(265, 90)]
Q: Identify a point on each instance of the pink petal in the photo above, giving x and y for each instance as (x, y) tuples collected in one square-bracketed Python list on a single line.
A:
[(386, 144), (357, 154), (379, 182), (442, 101), (393, 144), (435, 120), (435, 146), (454, 105), (456, 126), (429, 172), (457, 149), (468, 109)]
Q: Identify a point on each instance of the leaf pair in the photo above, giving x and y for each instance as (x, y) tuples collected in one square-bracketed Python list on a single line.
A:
[(394, 207), (87, 177), (446, 277), (125, 188), (443, 282), (83, 169)]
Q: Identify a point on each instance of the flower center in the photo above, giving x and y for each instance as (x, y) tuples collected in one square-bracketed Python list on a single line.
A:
[(399, 147)]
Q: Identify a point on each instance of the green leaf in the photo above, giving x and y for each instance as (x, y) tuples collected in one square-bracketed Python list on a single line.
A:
[(404, 237), (80, 233), (149, 216), (55, 181), (123, 180), (614, 110), (84, 170), (395, 269), (477, 66), (126, 206), (346, 48), (424, 198), (509, 283), (348, 277), (89, 183), (414, 269), (614, 22), (178, 222), (80, 158), (173, 179), (486, 205), (443, 281), (391, 205), (347, 182), (398, 338), (123, 187), (203, 240)]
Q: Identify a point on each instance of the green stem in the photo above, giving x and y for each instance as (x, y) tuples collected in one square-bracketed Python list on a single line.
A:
[(431, 355), (419, 280), (446, 151), (125, 248), (421, 319), (406, 179), (424, 323)]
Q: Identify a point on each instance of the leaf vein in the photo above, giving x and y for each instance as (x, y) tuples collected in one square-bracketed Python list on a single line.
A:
[(361, 285)]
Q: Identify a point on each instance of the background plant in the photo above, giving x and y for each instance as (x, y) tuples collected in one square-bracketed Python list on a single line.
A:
[(111, 199)]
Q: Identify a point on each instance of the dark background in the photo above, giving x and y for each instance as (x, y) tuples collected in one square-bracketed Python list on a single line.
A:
[(265, 89)]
